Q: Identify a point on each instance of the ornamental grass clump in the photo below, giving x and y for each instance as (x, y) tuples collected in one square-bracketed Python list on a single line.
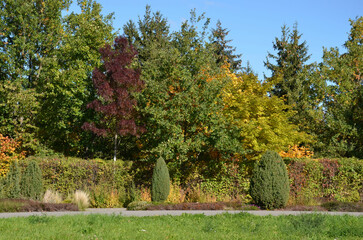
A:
[(270, 183), (81, 198), (160, 187), (51, 196), (31, 184)]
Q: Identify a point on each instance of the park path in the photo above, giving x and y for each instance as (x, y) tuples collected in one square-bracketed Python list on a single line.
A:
[(124, 212)]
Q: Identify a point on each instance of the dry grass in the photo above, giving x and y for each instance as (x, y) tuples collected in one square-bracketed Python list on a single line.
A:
[(51, 196), (81, 198)]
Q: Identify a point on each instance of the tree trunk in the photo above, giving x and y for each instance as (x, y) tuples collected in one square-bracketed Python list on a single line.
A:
[(114, 156)]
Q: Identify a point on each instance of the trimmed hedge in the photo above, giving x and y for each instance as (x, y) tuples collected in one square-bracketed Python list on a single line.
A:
[(311, 180), (317, 180), (104, 180)]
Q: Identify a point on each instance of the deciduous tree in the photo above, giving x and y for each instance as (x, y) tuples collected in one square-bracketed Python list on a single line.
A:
[(116, 81), (344, 100)]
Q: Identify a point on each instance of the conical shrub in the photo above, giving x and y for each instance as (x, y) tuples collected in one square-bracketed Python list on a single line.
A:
[(12, 182), (31, 184), (270, 182), (160, 187)]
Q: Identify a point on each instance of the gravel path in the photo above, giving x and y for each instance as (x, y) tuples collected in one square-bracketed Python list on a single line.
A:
[(124, 212)]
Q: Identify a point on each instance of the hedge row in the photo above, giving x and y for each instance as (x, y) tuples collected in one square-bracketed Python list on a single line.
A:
[(105, 181), (311, 180), (316, 180)]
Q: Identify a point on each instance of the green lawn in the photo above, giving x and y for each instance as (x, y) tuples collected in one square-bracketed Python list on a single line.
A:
[(225, 226)]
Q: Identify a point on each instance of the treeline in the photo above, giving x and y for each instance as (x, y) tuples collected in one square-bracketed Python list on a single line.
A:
[(70, 85)]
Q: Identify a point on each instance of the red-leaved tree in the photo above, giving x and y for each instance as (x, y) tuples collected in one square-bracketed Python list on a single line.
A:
[(115, 81)]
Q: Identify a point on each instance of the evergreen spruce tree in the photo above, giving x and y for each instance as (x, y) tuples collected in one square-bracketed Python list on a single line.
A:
[(290, 61), (31, 185), (160, 182), (270, 183), (222, 50), (296, 81), (12, 182)]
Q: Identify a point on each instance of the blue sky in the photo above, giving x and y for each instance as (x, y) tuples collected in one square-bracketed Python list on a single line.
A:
[(253, 25)]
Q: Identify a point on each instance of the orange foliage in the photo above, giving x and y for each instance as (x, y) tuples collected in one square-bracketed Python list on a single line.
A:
[(297, 152), (8, 153)]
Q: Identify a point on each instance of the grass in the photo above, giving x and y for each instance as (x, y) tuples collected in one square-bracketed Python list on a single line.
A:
[(225, 226)]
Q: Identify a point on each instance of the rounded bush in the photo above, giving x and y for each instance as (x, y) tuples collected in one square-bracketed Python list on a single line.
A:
[(270, 183), (160, 187)]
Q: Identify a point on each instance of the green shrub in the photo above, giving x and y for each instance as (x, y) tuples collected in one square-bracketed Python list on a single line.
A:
[(31, 184), (160, 187), (12, 181), (270, 183)]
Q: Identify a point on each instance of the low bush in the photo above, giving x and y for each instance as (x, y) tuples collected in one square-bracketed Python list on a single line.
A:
[(343, 206), (22, 205), (138, 205)]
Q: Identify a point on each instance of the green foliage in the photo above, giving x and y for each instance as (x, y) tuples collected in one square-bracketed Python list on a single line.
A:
[(12, 181), (290, 61), (342, 134), (64, 98), (160, 186), (46, 61), (31, 184), (222, 50), (180, 105), (298, 83), (269, 182)]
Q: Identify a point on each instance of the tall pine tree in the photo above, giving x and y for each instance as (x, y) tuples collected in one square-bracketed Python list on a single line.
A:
[(296, 81), (222, 49), (291, 59)]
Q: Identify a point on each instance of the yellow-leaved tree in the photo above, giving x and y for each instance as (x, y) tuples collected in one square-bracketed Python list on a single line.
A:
[(261, 118)]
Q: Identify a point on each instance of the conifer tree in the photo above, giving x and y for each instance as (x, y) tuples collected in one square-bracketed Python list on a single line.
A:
[(291, 58), (223, 51), (31, 184), (270, 182), (12, 181), (297, 82), (160, 187)]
